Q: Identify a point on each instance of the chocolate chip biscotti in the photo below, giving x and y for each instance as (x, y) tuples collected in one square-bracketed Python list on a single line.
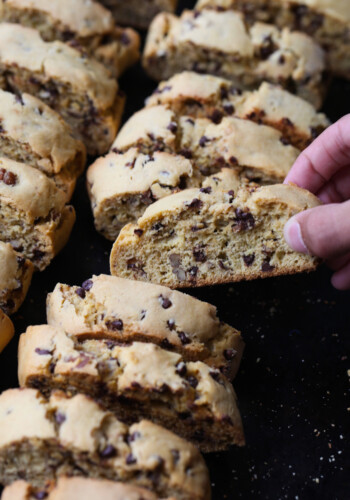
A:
[(42, 440), (34, 134), (220, 43), (15, 277), (258, 152), (84, 24), (136, 13), (196, 238), (6, 330), (135, 381), (207, 96), (80, 89), (327, 21), (34, 218), (78, 488), (125, 311)]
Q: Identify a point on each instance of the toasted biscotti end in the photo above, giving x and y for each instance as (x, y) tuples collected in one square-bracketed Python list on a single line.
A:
[(207, 96), (220, 43), (33, 215), (15, 277), (78, 438), (241, 238), (7, 330), (138, 14), (126, 311), (32, 133), (79, 88), (122, 186), (191, 397), (75, 488)]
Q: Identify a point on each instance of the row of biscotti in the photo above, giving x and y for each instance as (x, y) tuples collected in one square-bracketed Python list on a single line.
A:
[(198, 131), (328, 22)]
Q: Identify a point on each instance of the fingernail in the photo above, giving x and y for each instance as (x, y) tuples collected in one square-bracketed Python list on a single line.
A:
[(293, 236)]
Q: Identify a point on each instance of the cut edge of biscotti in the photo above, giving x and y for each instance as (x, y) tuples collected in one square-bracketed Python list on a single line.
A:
[(7, 330), (191, 397), (76, 436), (197, 238), (126, 311)]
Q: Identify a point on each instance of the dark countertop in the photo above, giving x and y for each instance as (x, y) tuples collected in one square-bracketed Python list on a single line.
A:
[(293, 382)]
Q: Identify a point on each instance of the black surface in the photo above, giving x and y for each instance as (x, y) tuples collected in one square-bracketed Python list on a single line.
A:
[(293, 382)]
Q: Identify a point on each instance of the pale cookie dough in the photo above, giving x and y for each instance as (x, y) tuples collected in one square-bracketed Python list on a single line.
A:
[(125, 311), (45, 439), (80, 89), (6, 330), (134, 382), (241, 237), (34, 218), (32, 133), (207, 96), (327, 21), (222, 44), (15, 277), (84, 24), (78, 488)]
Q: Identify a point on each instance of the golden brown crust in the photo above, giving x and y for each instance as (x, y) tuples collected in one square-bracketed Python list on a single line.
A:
[(7, 330)]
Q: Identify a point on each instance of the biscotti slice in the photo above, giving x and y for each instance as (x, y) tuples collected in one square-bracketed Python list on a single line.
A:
[(84, 24), (136, 13), (34, 134), (207, 96), (122, 186), (126, 311), (241, 238), (78, 488), (42, 440), (80, 89), (15, 277), (328, 22), (33, 216), (258, 152), (6, 330), (134, 382), (221, 43)]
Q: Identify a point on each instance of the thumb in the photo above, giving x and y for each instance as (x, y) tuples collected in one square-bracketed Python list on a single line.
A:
[(322, 231)]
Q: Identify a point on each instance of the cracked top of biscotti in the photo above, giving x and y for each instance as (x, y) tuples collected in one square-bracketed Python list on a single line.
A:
[(10, 264), (7, 330), (36, 126), (29, 190), (225, 32), (132, 172), (49, 351), (24, 48), (338, 9), (134, 310), (81, 425), (217, 97), (75, 488), (84, 17)]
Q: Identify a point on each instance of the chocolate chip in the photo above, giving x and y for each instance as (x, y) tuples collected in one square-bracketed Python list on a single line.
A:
[(130, 459), (186, 153), (59, 417), (215, 117), (243, 221), (190, 120), (171, 324), (165, 344), (193, 271), (43, 352), (165, 302), (85, 360), (287, 122), (115, 325), (87, 285), (8, 178), (135, 435), (176, 456), (229, 354), (192, 381), (38, 254), (235, 91), (266, 267), (130, 164), (184, 338), (138, 232), (52, 367), (233, 160), (267, 48), (203, 141), (222, 266), (284, 141), (249, 259), (196, 204), (80, 292), (281, 59), (143, 314), (206, 190), (181, 369), (19, 99), (216, 376), (124, 38), (199, 254), (157, 226), (40, 495), (147, 197), (21, 261), (232, 195), (172, 127), (108, 452), (229, 109)]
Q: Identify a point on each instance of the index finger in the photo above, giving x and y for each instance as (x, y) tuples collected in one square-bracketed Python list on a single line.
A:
[(328, 154)]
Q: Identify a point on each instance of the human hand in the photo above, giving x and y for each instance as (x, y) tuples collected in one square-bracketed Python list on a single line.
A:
[(324, 169)]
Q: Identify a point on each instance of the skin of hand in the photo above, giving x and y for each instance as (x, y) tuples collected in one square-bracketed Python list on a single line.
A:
[(324, 169)]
